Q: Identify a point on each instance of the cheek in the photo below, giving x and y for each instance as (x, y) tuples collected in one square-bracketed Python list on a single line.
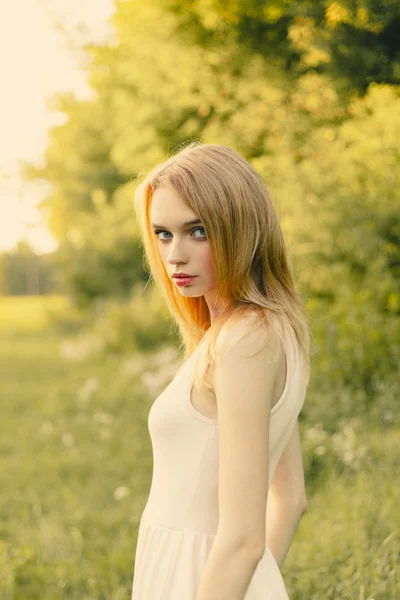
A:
[(208, 263)]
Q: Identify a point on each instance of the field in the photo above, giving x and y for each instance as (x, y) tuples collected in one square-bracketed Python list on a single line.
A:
[(75, 474)]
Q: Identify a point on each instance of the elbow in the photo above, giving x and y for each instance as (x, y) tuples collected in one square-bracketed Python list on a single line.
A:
[(250, 549), (298, 505), (294, 503), (302, 506), (254, 549), (299, 502)]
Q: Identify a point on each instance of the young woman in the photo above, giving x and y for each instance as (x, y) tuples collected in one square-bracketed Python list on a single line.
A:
[(228, 490)]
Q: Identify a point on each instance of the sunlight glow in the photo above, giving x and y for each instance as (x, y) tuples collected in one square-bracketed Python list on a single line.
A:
[(35, 63)]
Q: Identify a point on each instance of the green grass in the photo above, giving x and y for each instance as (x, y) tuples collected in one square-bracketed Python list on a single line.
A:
[(75, 473)]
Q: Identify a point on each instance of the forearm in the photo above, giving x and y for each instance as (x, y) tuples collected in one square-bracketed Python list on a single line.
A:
[(281, 524), (227, 573)]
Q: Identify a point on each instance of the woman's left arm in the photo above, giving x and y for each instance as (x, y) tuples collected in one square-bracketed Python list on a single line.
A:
[(229, 570), (287, 499), (243, 385)]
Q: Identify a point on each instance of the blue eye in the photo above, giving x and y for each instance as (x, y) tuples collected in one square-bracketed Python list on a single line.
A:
[(164, 231)]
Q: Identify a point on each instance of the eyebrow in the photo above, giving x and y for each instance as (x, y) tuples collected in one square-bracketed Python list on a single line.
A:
[(193, 222)]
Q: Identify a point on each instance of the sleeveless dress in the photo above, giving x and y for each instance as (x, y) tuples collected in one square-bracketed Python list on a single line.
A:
[(180, 520)]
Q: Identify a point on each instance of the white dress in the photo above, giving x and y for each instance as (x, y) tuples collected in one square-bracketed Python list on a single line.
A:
[(180, 520)]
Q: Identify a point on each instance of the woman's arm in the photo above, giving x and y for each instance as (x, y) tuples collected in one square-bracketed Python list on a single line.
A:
[(243, 383), (282, 522), (287, 499)]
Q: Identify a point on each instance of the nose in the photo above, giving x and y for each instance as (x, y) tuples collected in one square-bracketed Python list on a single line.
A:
[(176, 255)]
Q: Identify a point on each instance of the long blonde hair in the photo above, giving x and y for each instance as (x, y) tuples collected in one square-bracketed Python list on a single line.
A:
[(252, 268)]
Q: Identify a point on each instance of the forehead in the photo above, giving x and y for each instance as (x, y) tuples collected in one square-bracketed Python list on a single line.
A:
[(168, 208)]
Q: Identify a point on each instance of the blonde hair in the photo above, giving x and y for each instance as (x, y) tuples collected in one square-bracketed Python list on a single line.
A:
[(252, 269)]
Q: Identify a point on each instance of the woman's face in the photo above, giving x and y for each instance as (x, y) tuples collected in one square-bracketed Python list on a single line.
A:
[(183, 248)]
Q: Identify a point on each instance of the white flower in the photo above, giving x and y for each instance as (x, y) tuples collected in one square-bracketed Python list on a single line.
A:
[(47, 427), (103, 417), (68, 440), (121, 492), (315, 433), (104, 434), (87, 390), (347, 448), (81, 347)]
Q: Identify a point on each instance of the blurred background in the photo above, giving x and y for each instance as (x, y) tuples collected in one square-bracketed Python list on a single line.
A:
[(93, 94)]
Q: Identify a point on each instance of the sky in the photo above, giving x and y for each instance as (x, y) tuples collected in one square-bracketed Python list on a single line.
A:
[(36, 62)]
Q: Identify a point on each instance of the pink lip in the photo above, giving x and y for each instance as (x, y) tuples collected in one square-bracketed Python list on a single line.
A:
[(183, 280)]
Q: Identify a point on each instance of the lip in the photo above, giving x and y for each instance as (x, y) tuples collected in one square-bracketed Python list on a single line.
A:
[(179, 275), (181, 281)]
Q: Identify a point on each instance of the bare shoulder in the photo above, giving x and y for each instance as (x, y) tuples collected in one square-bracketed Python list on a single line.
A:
[(248, 336)]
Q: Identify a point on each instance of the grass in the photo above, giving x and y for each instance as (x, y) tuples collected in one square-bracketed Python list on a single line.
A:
[(75, 473)]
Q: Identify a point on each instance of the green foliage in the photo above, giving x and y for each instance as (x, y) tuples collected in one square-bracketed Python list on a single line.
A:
[(141, 323), (22, 271), (353, 42), (32, 315), (353, 204), (101, 257)]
